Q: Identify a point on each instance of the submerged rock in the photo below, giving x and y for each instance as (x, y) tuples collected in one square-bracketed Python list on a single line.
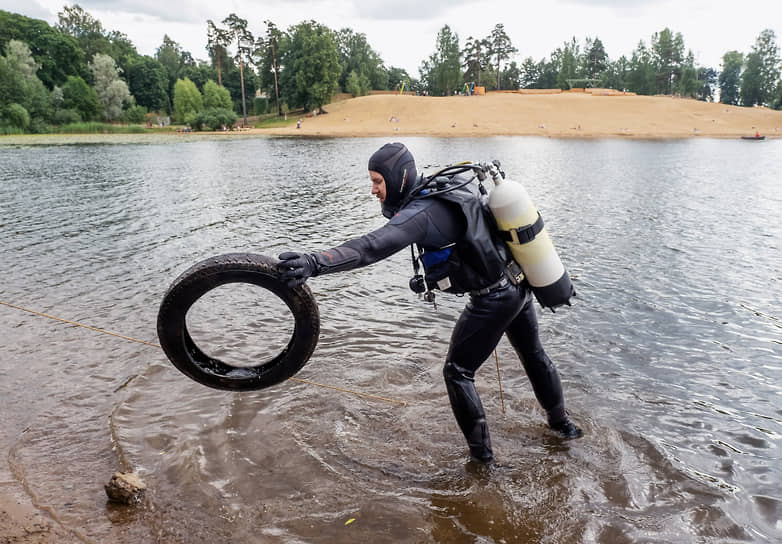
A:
[(125, 487)]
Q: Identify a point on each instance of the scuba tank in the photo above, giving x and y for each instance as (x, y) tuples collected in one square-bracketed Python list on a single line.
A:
[(518, 223), (521, 226)]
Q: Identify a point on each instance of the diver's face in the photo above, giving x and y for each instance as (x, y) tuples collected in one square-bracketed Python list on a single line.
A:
[(378, 185)]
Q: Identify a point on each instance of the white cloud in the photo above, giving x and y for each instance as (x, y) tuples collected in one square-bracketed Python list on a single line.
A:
[(404, 10), (29, 8), (163, 11), (403, 31)]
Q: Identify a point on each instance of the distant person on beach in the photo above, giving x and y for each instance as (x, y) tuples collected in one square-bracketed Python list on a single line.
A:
[(463, 255)]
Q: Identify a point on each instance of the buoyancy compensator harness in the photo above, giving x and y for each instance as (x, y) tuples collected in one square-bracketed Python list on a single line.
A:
[(476, 263), (479, 262)]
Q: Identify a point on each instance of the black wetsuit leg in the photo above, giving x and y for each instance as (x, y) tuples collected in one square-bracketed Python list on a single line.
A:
[(476, 334), (523, 335)]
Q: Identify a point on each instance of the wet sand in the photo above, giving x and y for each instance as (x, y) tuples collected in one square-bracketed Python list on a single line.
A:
[(21, 522)]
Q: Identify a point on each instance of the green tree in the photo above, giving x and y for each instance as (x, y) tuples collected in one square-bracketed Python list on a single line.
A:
[(764, 60), (751, 93), (87, 30), (643, 73), (668, 56), (12, 88), (530, 74), (218, 40), (616, 74), (310, 76), (232, 80), (174, 59), (187, 100), (214, 119), (19, 55), (397, 77), (548, 73), (476, 59), (14, 116), (148, 83), (82, 98), (267, 53), (567, 60), (92, 38), (244, 46), (594, 61), (135, 114), (777, 102), (441, 72), (355, 55), (500, 48), (58, 54), (511, 76), (112, 91), (121, 49), (216, 96), (707, 77), (730, 77), (687, 85), (353, 85), (21, 84), (199, 72)]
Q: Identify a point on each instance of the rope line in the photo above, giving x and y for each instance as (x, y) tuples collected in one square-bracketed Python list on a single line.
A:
[(308, 382), (499, 380), (80, 325)]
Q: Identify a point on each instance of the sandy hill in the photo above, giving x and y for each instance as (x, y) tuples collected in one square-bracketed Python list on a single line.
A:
[(555, 115)]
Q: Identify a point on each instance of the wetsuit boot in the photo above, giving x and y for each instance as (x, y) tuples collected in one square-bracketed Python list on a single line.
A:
[(468, 410), (566, 429)]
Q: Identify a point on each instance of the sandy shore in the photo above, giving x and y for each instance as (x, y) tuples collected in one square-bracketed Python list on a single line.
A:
[(21, 522), (566, 115)]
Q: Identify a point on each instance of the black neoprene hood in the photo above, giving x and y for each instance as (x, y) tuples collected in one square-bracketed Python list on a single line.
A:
[(396, 164)]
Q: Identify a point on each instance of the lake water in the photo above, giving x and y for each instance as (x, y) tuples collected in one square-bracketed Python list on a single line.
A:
[(671, 357)]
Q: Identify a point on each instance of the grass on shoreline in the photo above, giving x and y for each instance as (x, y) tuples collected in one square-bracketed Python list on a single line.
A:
[(271, 120), (97, 128), (94, 127), (274, 122)]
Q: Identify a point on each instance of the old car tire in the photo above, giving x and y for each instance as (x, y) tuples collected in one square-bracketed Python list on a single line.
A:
[(208, 274)]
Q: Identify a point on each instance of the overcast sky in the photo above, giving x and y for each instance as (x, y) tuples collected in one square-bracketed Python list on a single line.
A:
[(403, 31)]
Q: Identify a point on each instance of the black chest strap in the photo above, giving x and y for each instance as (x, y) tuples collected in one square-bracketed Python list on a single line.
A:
[(523, 235)]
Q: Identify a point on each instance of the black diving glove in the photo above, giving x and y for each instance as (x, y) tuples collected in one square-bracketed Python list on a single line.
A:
[(295, 268)]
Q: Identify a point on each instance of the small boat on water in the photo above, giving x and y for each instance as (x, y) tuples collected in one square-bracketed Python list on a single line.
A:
[(757, 136)]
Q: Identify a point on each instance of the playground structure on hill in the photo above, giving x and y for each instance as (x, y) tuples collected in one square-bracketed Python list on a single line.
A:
[(471, 89), (582, 83)]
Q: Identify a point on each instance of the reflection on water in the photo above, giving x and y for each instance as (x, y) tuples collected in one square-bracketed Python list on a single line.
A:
[(671, 357), (240, 324)]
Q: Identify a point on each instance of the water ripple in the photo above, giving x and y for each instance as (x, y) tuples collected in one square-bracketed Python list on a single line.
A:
[(671, 356)]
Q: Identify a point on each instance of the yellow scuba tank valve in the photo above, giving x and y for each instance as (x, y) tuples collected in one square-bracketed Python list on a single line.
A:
[(521, 226)]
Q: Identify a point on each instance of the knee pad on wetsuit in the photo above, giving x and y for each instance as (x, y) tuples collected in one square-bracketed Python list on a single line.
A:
[(453, 372)]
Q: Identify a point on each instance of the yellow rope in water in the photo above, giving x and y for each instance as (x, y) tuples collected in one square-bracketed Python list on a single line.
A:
[(499, 380), (80, 325), (308, 382)]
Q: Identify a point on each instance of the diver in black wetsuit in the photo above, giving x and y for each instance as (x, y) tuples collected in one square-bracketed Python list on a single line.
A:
[(461, 254)]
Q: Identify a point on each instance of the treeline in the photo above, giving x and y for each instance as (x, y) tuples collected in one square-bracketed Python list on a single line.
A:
[(664, 66), (79, 72)]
